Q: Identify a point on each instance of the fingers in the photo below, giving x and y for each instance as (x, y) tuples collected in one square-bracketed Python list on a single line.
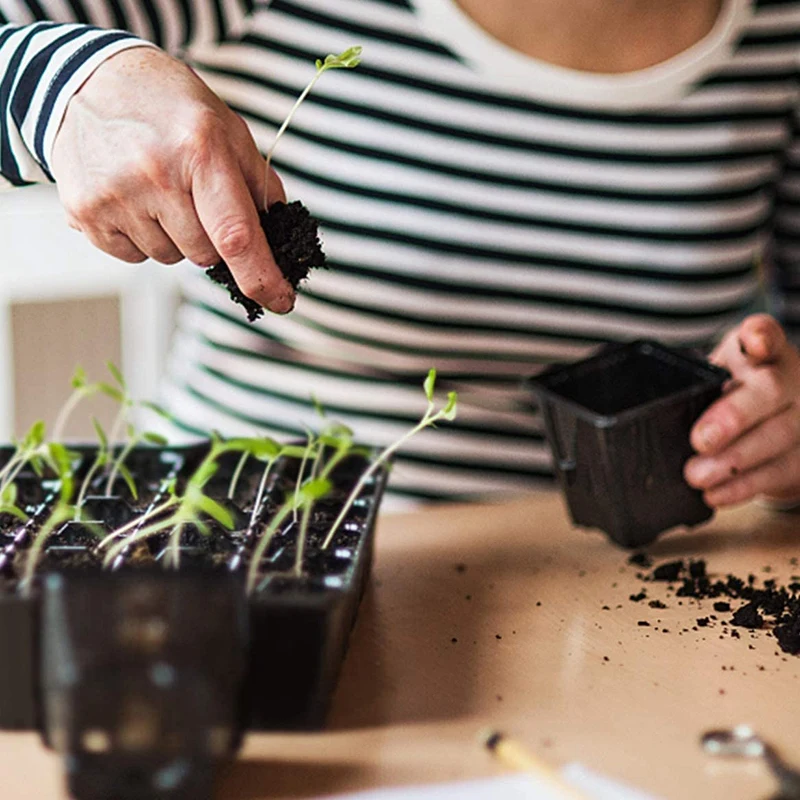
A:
[(762, 339), (767, 442), (179, 221), (152, 240), (116, 244), (761, 363), (742, 408), (227, 212), (776, 478), (758, 340)]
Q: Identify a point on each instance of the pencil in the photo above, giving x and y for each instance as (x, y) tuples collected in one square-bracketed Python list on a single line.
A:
[(516, 756)]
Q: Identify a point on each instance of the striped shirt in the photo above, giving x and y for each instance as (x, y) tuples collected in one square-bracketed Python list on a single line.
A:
[(483, 212)]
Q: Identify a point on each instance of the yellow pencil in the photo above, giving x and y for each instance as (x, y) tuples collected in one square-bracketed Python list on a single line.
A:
[(515, 756)]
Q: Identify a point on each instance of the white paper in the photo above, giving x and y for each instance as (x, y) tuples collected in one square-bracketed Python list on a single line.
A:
[(518, 786)]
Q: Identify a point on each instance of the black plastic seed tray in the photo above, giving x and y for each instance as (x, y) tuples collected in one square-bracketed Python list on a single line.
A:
[(272, 658)]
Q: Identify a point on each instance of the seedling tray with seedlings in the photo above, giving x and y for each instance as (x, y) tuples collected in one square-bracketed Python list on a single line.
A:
[(157, 601)]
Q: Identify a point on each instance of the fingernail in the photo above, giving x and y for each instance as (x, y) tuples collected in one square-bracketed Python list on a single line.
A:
[(710, 436), (283, 304), (697, 472)]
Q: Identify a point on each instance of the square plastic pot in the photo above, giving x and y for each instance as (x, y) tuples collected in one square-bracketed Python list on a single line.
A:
[(618, 425)]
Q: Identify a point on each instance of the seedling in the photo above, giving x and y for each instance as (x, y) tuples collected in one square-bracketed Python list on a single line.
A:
[(188, 509), (100, 460), (28, 450), (349, 59), (116, 465), (60, 460), (310, 492), (429, 419), (81, 390)]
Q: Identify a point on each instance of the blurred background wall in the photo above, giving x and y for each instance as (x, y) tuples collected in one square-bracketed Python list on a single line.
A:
[(63, 303)]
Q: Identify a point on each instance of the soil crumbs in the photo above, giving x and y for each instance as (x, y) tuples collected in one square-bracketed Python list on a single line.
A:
[(768, 606), (293, 237)]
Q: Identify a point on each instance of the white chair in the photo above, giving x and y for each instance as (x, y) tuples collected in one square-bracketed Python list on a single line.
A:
[(42, 258)]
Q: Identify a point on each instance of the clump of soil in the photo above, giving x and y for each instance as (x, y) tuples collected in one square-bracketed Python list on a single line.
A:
[(771, 607), (293, 237)]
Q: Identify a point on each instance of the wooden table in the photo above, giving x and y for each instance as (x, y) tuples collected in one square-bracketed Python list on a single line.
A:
[(493, 616)]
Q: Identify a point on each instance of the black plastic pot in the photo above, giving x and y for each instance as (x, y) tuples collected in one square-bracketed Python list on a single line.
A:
[(618, 424), (89, 643)]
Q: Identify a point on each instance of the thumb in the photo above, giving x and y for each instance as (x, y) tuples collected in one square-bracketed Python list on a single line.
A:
[(761, 339)]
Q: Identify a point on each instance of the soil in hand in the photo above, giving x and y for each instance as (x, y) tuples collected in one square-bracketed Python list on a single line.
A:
[(293, 237)]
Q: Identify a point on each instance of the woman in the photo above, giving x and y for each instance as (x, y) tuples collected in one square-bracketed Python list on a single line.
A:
[(500, 186)]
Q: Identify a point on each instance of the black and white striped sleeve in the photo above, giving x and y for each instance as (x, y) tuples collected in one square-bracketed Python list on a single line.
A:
[(41, 66), (48, 48), (171, 24)]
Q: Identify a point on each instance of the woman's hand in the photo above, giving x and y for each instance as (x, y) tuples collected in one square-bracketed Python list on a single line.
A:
[(150, 163), (748, 442)]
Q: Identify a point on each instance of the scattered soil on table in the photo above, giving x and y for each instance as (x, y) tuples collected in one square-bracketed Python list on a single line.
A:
[(768, 606), (293, 237)]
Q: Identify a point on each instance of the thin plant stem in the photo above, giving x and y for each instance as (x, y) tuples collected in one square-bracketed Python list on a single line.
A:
[(264, 542), (237, 474), (117, 462), (59, 515), (369, 472), (143, 533), (64, 415), (85, 486), (135, 523), (260, 493), (281, 131), (173, 556), (301, 470)]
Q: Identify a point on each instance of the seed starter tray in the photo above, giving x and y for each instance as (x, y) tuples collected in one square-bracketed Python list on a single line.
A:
[(145, 677)]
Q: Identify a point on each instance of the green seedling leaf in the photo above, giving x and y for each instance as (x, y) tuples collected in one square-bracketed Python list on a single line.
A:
[(430, 384), (347, 60), (293, 451), (203, 474), (155, 438), (10, 508), (128, 478), (450, 409), (216, 511), (8, 497), (265, 449), (160, 410), (315, 489), (37, 464), (78, 378), (117, 375), (111, 391), (101, 434), (333, 441), (339, 430), (35, 436)]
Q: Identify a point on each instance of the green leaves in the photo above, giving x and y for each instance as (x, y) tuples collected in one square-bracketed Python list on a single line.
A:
[(451, 408), (78, 378), (430, 384), (101, 434), (117, 375), (155, 439), (215, 511), (347, 60)]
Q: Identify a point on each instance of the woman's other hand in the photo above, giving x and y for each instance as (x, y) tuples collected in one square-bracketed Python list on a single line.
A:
[(748, 441), (149, 162)]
